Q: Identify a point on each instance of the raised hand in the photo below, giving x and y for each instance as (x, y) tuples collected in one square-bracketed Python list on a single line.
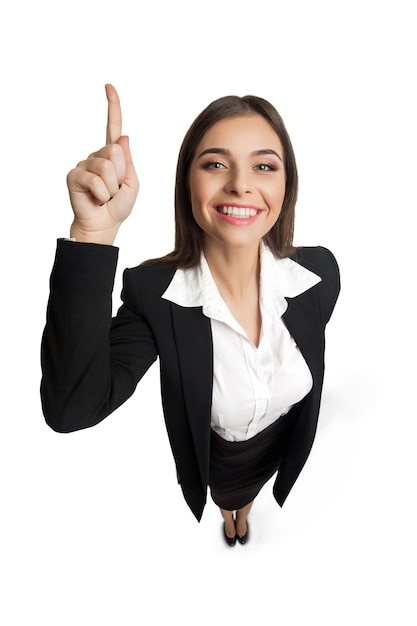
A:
[(103, 188)]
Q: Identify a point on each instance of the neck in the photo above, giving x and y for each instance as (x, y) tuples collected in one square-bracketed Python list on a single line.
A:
[(235, 270)]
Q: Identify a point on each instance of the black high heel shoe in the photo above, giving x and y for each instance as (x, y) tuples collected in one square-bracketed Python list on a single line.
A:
[(229, 540), (242, 539)]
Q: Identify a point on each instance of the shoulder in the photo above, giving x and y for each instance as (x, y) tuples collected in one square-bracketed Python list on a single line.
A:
[(153, 270), (150, 277), (319, 260), (322, 262)]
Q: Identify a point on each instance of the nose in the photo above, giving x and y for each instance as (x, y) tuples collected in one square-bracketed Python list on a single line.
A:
[(238, 182)]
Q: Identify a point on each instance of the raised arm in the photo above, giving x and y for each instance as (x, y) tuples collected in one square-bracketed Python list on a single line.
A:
[(90, 367), (103, 188)]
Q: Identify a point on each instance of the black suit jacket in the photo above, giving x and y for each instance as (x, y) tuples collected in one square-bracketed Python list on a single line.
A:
[(92, 363)]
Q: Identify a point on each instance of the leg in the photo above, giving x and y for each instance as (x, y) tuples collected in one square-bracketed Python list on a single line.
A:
[(241, 517), (229, 523)]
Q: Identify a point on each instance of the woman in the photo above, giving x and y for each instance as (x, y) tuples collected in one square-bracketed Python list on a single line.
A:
[(235, 314)]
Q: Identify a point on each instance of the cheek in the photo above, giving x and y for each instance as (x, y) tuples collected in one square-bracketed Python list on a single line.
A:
[(281, 192), (202, 192), (196, 199), (276, 195), (196, 191)]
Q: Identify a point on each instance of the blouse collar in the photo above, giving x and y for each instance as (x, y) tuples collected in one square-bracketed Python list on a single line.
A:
[(280, 279)]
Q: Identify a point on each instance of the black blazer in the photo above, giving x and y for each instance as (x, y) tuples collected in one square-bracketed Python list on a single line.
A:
[(92, 363)]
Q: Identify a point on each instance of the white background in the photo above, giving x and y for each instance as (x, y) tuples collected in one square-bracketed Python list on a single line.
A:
[(94, 530)]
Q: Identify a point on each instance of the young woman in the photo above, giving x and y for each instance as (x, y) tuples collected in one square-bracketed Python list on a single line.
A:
[(234, 313)]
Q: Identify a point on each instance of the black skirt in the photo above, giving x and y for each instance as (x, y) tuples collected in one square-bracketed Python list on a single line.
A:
[(239, 469)]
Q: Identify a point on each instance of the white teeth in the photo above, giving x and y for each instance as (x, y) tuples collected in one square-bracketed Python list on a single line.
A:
[(237, 211)]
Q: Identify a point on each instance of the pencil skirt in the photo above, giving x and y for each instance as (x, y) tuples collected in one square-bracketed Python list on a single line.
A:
[(239, 469)]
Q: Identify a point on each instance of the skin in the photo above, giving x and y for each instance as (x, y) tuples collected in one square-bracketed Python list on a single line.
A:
[(238, 162), (228, 168), (103, 188)]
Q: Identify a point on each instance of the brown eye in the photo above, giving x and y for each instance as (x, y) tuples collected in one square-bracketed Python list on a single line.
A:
[(266, 167), (213, 165)]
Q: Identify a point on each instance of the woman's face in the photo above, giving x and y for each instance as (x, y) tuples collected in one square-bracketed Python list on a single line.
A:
[(237, 181)]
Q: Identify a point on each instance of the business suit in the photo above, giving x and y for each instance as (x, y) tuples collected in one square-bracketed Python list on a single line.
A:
[(92, 364)]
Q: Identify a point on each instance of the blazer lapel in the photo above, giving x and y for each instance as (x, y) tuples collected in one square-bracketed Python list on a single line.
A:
[(192, 331)]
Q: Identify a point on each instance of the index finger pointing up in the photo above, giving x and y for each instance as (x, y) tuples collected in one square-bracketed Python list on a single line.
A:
[(114, 115)]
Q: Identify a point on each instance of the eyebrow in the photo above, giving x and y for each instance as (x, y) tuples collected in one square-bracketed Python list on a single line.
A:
[(227, 152)]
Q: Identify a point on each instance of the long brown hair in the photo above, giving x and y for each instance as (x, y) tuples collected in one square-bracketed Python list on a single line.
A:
[(188, 235)]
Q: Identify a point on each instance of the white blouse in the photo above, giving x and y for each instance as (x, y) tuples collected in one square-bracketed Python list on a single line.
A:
[(252, 386)]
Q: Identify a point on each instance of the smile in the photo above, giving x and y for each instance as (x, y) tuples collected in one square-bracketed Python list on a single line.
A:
[(239, 212)]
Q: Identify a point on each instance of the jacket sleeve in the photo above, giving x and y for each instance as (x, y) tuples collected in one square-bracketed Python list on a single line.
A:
[(91, 363)]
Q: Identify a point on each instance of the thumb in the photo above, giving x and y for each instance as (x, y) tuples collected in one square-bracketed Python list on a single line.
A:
[(131, 177)]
